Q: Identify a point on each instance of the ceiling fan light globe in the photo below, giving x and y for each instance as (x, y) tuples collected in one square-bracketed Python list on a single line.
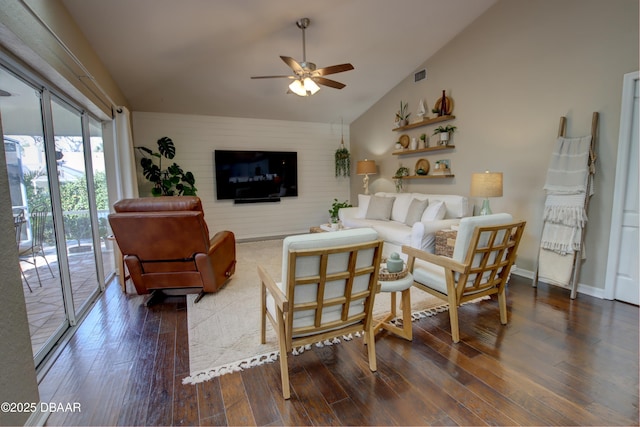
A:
[(297, 88), (311, 86)]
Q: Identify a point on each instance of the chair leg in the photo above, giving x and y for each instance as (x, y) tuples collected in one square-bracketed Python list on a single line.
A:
[(263, 314), (371, 349), (25, 279), (407, 326), (45, 260), (35, 267), (453, 317), (502, 302), (284, 366), (199, 297)]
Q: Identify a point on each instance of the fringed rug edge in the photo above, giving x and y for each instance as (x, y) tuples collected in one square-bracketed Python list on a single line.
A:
[(270, 357)]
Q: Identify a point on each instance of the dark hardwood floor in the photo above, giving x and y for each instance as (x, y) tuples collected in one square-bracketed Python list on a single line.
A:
[(557, 362)]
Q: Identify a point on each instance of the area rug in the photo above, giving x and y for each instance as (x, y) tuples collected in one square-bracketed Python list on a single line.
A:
[(224, 328)]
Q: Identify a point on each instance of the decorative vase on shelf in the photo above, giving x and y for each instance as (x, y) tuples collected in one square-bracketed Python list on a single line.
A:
[(414, 144), (443, 105), (421, 111)]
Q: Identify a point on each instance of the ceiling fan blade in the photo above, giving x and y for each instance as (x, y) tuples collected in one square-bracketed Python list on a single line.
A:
[(326, 82), (333, 69), (274, 77), (293, 64)]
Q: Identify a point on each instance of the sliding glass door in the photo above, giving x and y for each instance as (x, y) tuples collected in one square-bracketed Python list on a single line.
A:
[(59, 200)]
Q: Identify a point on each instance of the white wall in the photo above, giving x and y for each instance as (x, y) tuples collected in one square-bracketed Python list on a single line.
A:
[(196, 138), (512, 74)]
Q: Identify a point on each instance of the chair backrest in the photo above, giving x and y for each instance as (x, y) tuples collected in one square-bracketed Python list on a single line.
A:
[(488, 245), (18, 220), (331, 278), (160, 228), (38, 223)]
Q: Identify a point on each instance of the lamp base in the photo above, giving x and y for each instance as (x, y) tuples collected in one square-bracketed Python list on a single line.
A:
[(365, 182), (486, 209)]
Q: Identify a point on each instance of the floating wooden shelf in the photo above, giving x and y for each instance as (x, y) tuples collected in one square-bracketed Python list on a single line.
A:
[(425, 122), (423, 150), (426, 176)]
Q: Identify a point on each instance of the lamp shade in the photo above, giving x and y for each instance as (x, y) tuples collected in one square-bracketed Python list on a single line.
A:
[(487, 184), (365, 167)]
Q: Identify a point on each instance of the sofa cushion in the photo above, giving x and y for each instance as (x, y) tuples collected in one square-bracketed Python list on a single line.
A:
[(435, 211), (380, 208), (401, 207), (363, 205), (416, 209), (393, 232)]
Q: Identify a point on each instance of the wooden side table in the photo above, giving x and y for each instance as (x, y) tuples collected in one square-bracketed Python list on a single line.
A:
[(403, 286)]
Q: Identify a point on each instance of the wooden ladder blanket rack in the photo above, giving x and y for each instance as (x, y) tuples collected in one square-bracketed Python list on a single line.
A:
[(577, 254)]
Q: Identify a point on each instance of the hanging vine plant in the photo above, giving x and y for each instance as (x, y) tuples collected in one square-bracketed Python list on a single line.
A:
[(343, 161), (343, 158)]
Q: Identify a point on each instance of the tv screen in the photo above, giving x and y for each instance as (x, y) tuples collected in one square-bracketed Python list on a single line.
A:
[(248, 176)]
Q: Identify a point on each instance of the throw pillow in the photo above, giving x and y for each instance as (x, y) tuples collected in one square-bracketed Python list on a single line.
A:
[(435, 211), (363, 204), (416, 209), (380, 208), (401, 207)]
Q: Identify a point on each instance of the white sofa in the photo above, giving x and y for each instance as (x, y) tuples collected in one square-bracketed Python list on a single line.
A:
[(389, 217)]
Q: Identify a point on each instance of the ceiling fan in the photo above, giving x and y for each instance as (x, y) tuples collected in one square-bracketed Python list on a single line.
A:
[(306, 76)]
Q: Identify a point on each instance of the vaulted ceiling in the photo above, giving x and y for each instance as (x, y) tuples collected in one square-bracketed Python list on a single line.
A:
[(197, 56)]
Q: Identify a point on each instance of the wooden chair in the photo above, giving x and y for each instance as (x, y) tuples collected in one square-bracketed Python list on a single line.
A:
[(330, 280), (483, 255)]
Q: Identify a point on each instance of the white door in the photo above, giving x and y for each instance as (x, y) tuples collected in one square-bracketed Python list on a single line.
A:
[(622, 277)]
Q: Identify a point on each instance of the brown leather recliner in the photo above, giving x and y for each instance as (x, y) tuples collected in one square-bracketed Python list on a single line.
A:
[(165, 244)]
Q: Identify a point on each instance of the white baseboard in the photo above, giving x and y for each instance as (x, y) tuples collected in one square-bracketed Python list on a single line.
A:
[(582, 288), (38, 418)]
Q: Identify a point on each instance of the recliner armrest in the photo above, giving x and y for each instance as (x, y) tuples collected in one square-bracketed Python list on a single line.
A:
[(220, 258)]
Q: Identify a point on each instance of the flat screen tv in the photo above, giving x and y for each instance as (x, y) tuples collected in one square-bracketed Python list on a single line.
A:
[(256, 176)]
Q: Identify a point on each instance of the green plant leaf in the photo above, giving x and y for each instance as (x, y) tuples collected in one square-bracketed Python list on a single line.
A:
[(189, 178), (145, 149), (166, 147)]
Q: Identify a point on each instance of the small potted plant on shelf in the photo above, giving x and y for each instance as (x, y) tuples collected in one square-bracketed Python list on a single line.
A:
[(398, 177), (402, 116), (444, 132), (334, 212), (423, 138)]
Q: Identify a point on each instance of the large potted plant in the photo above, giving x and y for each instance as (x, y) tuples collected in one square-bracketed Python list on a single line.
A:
[(172, 181)]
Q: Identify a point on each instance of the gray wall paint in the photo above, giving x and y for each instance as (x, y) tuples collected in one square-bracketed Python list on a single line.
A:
[(512, 74)]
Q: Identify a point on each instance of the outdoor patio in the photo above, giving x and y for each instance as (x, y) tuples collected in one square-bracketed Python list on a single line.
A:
[(45, 306)]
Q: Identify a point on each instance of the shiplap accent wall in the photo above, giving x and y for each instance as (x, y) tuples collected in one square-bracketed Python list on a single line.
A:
[(196, 138)]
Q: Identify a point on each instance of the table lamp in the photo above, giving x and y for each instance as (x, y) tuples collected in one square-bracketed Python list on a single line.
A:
[(366, 167), (487, 184)]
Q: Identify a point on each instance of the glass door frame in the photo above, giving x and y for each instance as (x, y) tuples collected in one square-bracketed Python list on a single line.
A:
[(47, 95)]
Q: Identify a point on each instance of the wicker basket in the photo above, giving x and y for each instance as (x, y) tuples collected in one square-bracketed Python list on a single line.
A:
[(445, 241), (385, 276)]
